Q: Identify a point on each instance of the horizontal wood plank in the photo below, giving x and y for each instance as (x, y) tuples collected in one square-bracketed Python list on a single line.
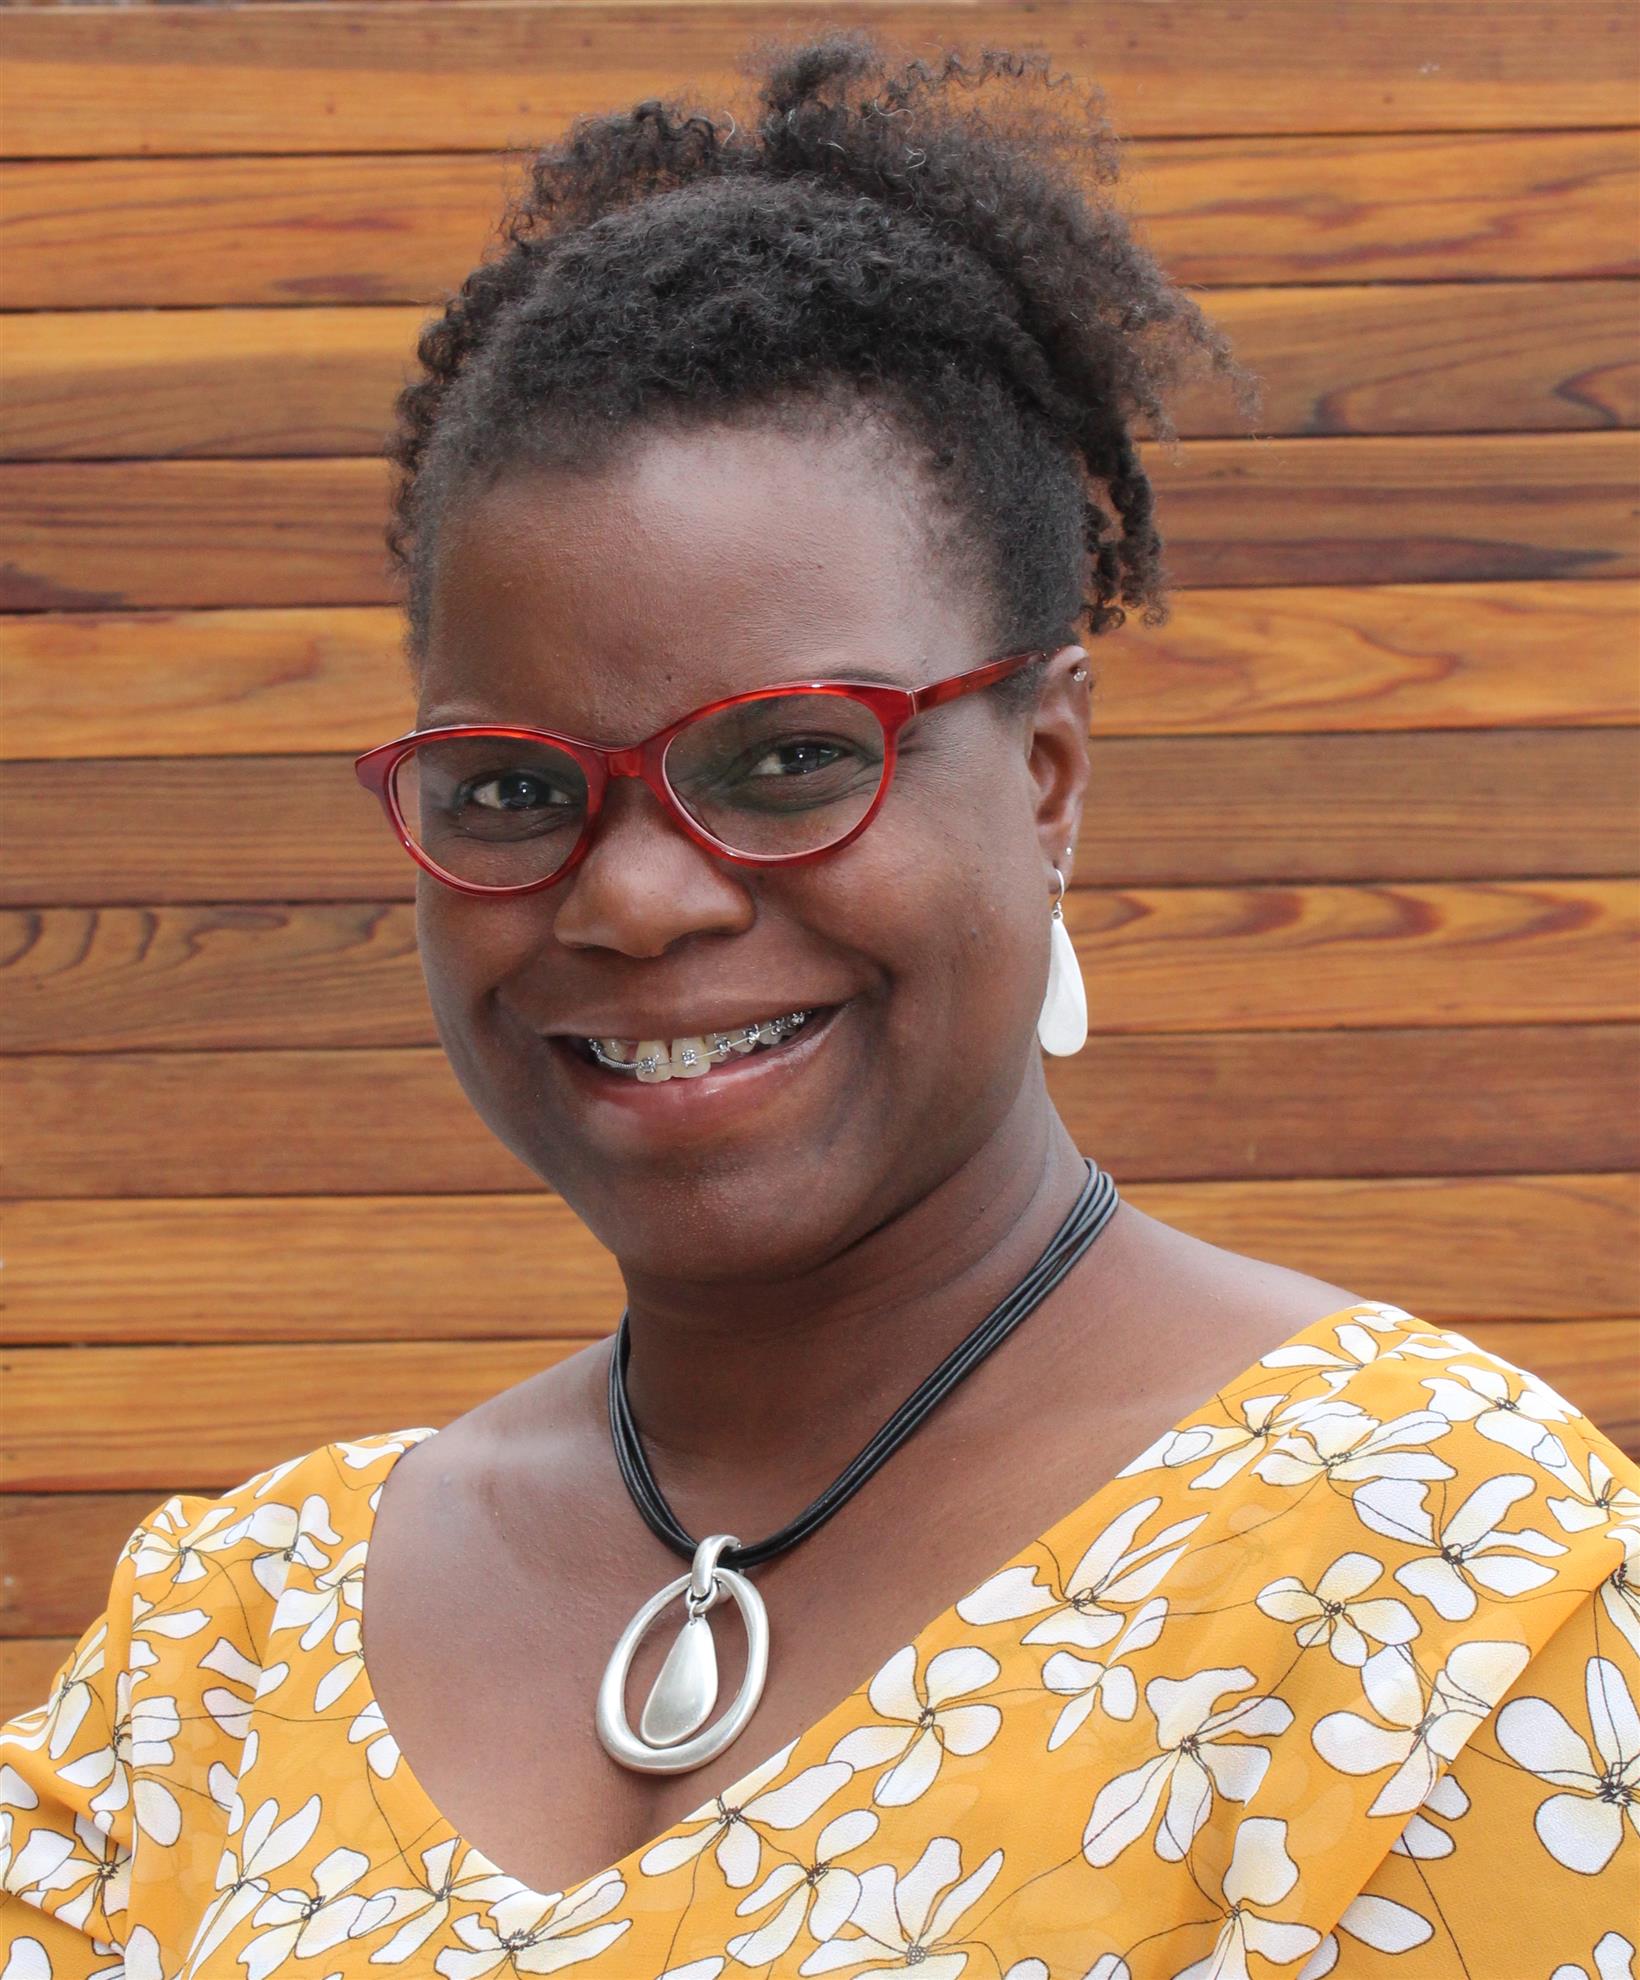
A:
[(1449, 805), (91, 536), (106, 1418), (224, 977), (214, 1270), (283, 79), (27, 1667), (1239, 661), (1456, 1101), (1438, 357), (122, 1419), (99, 233)]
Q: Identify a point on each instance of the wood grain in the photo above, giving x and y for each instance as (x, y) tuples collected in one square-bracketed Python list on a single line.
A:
[(160, 1271), (87, 535), (100, 233), (1437, 357), (224, 977), (1162, 811), (104, 1418), (1305, 660), (26, 1670), (119, 1419), (472, 76), (1357, 903), (1176, 1107)]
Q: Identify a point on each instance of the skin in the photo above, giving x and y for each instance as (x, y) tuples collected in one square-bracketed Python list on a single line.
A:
[(793, 1271)]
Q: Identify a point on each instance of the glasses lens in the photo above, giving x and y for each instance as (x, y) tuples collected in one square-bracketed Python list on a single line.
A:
[(787, 773), (495, 811)]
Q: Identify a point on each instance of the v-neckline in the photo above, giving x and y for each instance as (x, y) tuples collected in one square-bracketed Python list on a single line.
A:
[(821, 1734)]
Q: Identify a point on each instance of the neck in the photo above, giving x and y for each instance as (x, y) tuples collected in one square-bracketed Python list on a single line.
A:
[(750, 1397)]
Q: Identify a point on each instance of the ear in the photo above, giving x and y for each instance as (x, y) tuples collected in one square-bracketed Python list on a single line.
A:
[(1058, 746)]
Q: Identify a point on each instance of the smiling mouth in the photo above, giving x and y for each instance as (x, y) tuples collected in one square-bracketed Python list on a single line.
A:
[(651, 1061)]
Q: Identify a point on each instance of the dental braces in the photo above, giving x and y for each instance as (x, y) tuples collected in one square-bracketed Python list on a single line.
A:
[(720, 1045)]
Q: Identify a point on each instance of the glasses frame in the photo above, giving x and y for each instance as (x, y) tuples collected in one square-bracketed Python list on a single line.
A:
[(892, 706)]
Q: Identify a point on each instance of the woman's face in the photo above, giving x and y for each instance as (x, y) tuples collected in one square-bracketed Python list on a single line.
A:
[(604, 605)]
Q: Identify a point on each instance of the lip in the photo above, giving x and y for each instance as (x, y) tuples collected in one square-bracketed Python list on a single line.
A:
[(637, 1115)]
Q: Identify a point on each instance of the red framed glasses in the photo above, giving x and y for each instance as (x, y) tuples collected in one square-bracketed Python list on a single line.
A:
[(772, 777)]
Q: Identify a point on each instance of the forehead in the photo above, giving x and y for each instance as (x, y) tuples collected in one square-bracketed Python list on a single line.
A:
[(695, 565)]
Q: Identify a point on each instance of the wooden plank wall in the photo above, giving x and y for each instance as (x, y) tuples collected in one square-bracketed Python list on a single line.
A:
[(1359, 912)]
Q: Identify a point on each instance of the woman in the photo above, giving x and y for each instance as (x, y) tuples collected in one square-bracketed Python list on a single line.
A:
[(1213, 1618)]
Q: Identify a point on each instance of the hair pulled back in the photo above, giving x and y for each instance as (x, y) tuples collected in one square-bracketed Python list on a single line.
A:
[(865, 245)]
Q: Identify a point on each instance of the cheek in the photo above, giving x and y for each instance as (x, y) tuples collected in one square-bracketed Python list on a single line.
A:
[(467, 946), (954, 918)]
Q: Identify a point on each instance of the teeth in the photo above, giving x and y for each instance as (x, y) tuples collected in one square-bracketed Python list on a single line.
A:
[(654, 1060), (689, 1058)]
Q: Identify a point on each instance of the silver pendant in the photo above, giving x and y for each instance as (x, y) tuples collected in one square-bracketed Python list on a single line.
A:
[(681, 1700)]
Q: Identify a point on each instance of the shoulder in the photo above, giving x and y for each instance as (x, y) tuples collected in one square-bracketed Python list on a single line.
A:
[(1429, 1556), (238, 1552), (138, 1748)]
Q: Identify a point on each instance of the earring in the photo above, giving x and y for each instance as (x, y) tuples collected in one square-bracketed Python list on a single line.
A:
[(1062, 1027)]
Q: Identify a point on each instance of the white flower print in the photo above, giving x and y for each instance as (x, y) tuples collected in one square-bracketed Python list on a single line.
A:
[(88, 1868), (283, 1535), (1111, 1576), (230, 1704), (140, 1737), (1354, 1447), (524, 1933), (1515, 1414), (1470, 1548), (1420, 1837), (1356, 1348), (1620, 1591), (172, 1547), (1378, 1922), (416, 1911), (27, 1959), (1613, 1960), (1593, 1495), (1233, 1446), (1422, 1734), (242, 1877), (369, 1730), (15, 1793), (903, 1924), (307, 1920), (820, 1895), (329, 1608), (1196, 1757), (731, 1822), (1582, 1825), (928, 1719), (1334, 1613), (1085, 1681), (1261, 1873), (54, 1724)]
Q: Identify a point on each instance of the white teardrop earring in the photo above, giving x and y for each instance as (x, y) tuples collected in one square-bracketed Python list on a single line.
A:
[(1062, 1027)]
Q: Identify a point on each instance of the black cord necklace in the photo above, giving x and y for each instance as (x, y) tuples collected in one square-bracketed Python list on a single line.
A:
[(686, 1690)]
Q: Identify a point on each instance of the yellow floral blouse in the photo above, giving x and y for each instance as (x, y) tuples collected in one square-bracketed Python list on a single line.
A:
[(1337, 1677)]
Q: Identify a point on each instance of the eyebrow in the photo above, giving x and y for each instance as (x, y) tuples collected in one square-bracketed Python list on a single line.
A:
[(453, 717)]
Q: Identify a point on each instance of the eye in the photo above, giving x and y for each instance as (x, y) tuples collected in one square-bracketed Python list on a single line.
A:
[(799, 757), (516, 790)]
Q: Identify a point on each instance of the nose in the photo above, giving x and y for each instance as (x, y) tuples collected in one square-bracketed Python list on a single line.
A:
[(643, 884)]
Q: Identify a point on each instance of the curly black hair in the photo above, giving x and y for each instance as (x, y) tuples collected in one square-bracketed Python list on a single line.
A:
[(864, 247)]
